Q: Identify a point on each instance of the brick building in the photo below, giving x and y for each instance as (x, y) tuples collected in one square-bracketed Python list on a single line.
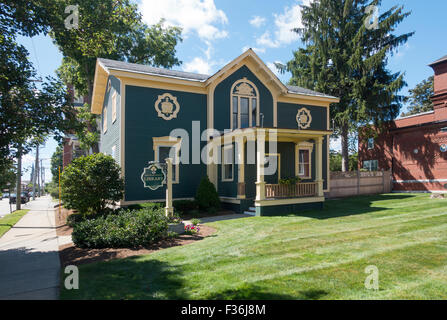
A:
[(414, 148)]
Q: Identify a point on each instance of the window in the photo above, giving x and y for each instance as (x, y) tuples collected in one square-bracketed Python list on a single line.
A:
[(114, 107), (371, 165), (371, 143), (168, 147), (304, 160), (227, 163), (104, 120), (244, 105)]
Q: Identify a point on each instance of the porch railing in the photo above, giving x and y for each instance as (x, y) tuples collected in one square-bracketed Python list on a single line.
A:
[(308, 189)]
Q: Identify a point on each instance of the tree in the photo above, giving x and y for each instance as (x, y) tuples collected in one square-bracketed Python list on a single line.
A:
[(91, 183), (56, 163), (108, 29), (26, 112), (420, 97), (346, 58)]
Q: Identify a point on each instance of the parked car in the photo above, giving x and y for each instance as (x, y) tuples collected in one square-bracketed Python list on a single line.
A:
[(13, 198), (5, 195)]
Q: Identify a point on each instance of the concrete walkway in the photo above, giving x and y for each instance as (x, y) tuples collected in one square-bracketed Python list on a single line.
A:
[(29, 256), (225, 217)]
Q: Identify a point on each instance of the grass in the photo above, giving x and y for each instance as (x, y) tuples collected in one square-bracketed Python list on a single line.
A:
[(311, 255), (8, 221)]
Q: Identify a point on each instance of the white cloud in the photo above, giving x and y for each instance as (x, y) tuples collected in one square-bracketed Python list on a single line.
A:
[(257, 21), (193, 16), (198, 65), (284, 23)]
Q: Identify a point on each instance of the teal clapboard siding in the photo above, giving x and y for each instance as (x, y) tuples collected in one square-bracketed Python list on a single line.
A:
[(111, 138), (287, 116), (142, 124), (222, 99)]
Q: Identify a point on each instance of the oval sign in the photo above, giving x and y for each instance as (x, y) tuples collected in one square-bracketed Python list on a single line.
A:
[(153, 176)]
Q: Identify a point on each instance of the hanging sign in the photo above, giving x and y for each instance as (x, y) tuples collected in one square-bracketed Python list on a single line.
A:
[(153, 176)]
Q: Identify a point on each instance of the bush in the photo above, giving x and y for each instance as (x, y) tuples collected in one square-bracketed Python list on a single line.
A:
[(126, 229), (182, 207), (207, 197), (90, 183), (148, 205)]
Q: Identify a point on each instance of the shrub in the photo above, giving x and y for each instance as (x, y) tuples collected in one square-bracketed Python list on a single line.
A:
[(149, 205), (207, 196), (126, 229), (90, 183), (184, 206), (195, 221)]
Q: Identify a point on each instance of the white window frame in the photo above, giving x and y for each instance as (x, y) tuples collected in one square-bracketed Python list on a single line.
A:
[(224, 148), (303, 146), (104, 120), (169, 142), (239, 96), (114, 107)]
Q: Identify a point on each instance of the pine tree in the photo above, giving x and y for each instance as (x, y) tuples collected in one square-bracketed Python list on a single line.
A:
[(345, 56), (419, 98)]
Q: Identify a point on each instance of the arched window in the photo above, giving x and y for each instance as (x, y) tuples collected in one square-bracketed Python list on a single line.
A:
[(244, 108)]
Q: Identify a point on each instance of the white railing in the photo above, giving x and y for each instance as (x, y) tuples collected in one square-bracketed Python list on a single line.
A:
[(298, 190)]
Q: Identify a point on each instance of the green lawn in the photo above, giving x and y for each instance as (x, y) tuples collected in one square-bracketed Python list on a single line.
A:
[(312, 255), (8, 221)]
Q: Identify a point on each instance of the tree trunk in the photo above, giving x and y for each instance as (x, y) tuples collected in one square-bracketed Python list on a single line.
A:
[(344, 148), (95, 146), (36, 172), (19, 180)]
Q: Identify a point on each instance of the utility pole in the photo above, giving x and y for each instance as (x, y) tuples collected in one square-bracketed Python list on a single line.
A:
[(19, 180), (42, 177), (36, 171)]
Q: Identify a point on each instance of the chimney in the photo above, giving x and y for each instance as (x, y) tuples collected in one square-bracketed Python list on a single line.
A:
[(439, 97)]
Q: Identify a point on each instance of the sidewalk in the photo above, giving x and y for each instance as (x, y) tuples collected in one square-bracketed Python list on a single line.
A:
[(29, 257)]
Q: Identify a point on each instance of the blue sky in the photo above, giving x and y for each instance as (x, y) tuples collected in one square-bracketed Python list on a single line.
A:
[(217, 31)]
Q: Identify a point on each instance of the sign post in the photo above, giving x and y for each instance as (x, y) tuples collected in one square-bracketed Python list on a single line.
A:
[(169, 210)]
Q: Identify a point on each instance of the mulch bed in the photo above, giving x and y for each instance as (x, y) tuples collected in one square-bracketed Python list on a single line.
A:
[(71, 255)]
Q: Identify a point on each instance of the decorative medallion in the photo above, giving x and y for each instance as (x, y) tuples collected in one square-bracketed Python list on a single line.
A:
[(244, 89), (153, 176), (167, 106), (303, 118)]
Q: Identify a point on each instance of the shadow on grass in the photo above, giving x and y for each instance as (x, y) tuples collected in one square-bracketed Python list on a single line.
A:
[(130, 278), (351, 206), (253, 292)]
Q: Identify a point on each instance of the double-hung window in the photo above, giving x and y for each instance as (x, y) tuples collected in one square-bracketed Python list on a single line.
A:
[(371, 165), (244, 105), (168, 147), (227, 163), (304, 160)]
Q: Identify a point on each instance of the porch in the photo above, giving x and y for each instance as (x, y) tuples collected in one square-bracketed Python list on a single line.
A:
[(263, 159)]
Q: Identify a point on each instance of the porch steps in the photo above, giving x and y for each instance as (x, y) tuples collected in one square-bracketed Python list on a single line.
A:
[(251, 211)]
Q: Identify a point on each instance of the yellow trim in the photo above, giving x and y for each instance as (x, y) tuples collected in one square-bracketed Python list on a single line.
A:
[(113, 107), (278, 202), (154, 82), (328, 174), (306, 100), (104, 120), (303, 146), (168, 141), (230, 200)]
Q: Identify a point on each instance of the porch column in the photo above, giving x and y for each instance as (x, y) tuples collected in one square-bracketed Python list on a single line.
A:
[(319, 165), (240, 142), (260, 157)]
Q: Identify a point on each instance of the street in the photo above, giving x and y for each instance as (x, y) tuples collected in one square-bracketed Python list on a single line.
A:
[(4, 207)]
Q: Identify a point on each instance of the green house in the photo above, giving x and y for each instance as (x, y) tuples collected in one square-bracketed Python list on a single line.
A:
[(241, 126)]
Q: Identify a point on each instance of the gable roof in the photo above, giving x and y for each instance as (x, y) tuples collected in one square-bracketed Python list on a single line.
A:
[(104, 67)]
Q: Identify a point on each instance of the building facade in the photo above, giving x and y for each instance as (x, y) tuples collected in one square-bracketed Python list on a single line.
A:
[(413, 147), (241, 127)]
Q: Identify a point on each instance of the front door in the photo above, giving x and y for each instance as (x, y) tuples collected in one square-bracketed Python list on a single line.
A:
[(272, 161)]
